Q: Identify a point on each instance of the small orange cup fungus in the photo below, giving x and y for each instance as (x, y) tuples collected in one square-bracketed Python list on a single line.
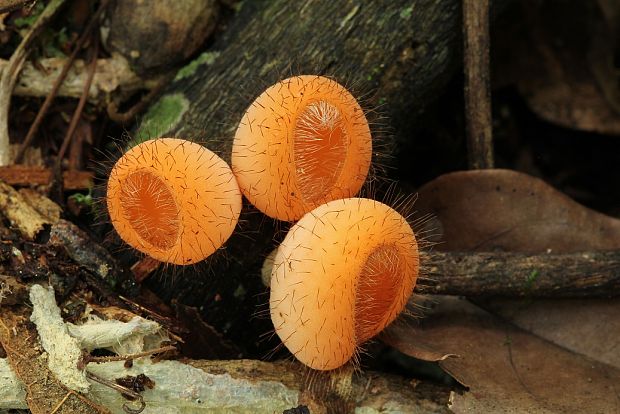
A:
[(303, 142), (341, 275), (173, 199)]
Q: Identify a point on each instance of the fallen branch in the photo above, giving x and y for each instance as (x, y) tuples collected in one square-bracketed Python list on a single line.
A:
[(567, 275), (581, 274)]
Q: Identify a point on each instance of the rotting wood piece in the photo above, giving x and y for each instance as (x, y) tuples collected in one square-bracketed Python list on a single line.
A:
[(24, 175), (400, 60), (10, 5)]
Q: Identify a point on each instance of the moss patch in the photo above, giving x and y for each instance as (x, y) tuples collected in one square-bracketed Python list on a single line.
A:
[(189, 69), (161, 117), (406, 13)]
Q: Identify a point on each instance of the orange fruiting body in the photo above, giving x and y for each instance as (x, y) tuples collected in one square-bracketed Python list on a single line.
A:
[(303, 142), (173, 200), (341, 275)]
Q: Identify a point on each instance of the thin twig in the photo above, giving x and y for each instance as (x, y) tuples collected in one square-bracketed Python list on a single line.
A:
[(61, 402), (61, 77), (123, 390), (477, 84), (11, 72), (78, 111), (510, 274)]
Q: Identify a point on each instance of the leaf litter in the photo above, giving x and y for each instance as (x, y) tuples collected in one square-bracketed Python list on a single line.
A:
[(518, 355)]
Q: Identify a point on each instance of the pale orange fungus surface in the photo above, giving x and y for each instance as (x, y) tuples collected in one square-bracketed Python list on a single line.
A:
[(173, 200), (341, 275), (303, 142)]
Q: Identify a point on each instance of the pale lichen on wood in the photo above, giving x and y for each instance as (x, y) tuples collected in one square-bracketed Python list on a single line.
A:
[(64, 351)]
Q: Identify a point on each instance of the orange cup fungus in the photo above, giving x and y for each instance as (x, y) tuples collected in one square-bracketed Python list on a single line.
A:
[(303, 142), (173, 200), (341, 275)]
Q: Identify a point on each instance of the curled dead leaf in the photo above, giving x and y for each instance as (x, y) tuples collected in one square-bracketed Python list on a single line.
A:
[(498, 209), (507, 370)]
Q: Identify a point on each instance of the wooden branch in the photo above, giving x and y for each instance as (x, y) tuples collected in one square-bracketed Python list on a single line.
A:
[(400, 61), (240, 386), (477, 83), (249, 386), (568, 275)]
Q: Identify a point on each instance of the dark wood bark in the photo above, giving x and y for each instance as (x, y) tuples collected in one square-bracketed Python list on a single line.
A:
[(476, 41), (586, 274), (395, 53)]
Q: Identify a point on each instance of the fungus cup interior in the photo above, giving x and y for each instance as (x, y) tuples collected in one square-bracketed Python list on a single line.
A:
[(303, 142), (342, 274), (173, 200)]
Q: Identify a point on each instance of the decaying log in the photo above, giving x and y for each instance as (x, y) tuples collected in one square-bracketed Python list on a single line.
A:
[(399, 53), (24, 175), (10, 5)]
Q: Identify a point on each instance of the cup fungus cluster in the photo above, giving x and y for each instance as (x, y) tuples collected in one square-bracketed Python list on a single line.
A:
[(303, 148)]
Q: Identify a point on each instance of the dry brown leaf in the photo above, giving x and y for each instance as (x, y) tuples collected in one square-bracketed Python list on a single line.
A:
[(507, 210), (507, 369), (489, 210), (586, 326)]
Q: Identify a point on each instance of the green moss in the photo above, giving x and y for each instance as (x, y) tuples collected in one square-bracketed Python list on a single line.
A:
[(30, 18), (189, 69), (531, 279), (374, 72), (406, 13), (161, 117)]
